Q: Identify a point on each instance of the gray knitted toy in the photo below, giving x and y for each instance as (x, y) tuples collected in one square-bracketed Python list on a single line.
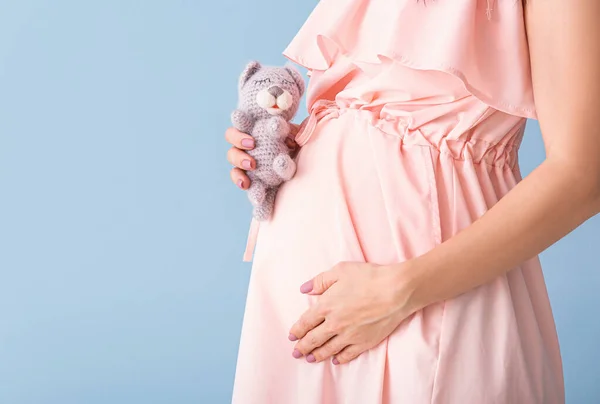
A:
[(269, 98)]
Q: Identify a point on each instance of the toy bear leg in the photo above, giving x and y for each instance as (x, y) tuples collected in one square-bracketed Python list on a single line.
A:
[(264, 211), (284, 166), (257, 192)]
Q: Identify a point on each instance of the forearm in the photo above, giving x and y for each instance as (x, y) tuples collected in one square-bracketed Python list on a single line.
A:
[(544, 207)]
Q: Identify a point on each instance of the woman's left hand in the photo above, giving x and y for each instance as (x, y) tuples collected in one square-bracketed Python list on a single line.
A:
[(359, 305)]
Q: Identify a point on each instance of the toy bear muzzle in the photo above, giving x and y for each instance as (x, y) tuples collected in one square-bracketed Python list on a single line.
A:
[(274, 99)]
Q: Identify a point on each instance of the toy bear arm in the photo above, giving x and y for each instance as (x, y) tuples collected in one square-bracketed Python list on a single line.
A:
[(242, 121)]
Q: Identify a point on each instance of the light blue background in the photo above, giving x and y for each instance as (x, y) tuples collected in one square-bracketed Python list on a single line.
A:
[(120, 233)]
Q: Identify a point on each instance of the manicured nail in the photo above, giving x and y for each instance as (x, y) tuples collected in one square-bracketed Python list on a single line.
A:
[(249, 143), (297, 354), (246, 165), (335, 361), (241, 184), (311, 358), (307, 287), (292, 337)]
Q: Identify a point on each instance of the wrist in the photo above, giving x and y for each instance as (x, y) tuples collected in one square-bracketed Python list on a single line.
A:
[(410, 291)]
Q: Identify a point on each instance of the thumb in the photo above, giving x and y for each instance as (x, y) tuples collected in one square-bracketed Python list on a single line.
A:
[(294, 129), (320, 283)]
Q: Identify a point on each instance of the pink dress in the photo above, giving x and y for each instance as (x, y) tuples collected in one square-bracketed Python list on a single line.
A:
[(417, 112)]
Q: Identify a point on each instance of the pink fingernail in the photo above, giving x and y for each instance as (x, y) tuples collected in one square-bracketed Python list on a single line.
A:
[(292, 337), (307, 287), (311, 358), (249, 143), (335, 361), (297, 354), (246, 165), (241, 184)]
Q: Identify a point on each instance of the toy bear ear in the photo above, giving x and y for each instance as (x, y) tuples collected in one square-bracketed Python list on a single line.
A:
[(297, 77), (251, 69)]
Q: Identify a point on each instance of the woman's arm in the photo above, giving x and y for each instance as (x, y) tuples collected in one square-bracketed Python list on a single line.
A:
[(564, 191), (360, 304)]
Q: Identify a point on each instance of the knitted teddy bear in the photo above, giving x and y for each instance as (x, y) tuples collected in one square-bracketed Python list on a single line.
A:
[(269, 97)]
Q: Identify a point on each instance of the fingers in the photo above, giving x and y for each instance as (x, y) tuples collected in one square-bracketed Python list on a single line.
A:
[(291, 143), (348, 354), (327, 350), (294, 129), (320, 283), (238, 139), (293, 147), (240, 178), (314, 339), (309, 320), (240, 159)]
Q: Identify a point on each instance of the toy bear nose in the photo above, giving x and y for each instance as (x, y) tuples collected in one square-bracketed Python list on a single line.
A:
[(275, 91)]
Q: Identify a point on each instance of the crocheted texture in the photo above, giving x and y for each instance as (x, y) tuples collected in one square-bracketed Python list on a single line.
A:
[(269, 98)]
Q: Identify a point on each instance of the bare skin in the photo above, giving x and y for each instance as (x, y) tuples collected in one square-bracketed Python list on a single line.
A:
[(360, 304)]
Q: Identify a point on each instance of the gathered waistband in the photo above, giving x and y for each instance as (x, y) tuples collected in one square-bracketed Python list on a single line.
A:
[(503, 153), (331, 109)]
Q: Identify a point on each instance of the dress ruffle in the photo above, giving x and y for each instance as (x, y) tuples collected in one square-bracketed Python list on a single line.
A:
[(480, 42)]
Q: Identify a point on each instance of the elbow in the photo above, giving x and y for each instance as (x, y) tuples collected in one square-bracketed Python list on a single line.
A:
[(595, 195), (588, 186), (582, 181), (591, 186)]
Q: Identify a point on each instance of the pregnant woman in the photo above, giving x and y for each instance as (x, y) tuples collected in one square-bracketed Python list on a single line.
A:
[(400, 266)]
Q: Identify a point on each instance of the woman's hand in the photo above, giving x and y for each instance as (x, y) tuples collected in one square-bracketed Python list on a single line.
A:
[(241, 161), (359, 305)]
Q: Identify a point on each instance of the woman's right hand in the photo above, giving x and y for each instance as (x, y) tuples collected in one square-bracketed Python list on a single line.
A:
[(238, 157), (241, 161)]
